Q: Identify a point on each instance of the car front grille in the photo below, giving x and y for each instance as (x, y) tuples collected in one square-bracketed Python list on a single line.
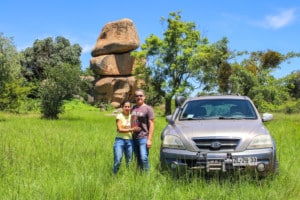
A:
[(216, 144)]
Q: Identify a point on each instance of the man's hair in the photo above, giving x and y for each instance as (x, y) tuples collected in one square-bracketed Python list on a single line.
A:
[(140, 90)]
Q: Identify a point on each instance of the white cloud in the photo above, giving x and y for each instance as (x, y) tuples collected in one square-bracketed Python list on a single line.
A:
[(87, 48), (280, 20)]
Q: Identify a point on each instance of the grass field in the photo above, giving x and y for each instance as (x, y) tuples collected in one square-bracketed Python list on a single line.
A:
[(71, 158)]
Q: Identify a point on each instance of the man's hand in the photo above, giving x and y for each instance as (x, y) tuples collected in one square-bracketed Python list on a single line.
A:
[(149, 144)]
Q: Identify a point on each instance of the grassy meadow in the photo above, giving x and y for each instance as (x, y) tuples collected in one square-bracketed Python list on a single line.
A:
[(71, 158)]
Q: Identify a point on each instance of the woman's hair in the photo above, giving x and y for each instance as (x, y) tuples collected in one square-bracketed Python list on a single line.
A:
[(124, 102)]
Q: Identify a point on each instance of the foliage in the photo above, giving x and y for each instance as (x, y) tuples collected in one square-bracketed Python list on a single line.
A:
[(30, 106), (292, 107), (13, 96), (48, 53), (52, 68), (86, 88), (13, 91), (88, 72), (292, 83), (268, 98), (252, 78), (179, 63), (223, 77), (242, 80), (143, 74), (169, 59), (183, 61), (9, 60), (211, 66), (87, 84), (76, 104), (62, 83)]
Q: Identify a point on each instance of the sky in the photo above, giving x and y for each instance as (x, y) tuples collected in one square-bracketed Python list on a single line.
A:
[(252, 25)]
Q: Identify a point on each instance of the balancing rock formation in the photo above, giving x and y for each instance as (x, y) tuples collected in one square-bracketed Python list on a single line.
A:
[(112, 62)]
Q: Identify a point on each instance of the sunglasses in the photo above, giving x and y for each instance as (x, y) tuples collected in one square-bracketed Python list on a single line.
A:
[(139, 95)]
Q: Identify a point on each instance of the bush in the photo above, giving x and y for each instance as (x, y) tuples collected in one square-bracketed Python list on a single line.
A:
[(62, 83), (13, 96), (52, 100), (292, 109)]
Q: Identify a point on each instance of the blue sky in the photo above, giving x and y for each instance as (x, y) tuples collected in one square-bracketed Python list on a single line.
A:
[(250, 25)]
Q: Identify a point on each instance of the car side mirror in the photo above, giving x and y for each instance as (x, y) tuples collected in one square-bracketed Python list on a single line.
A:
[(179, 100), (169, 119), (267, 117)]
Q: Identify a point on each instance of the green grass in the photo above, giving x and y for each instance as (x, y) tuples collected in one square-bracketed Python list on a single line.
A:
[(71, 158)]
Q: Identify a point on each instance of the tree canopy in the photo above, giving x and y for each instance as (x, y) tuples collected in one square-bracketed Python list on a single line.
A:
[(48, 53), (12, 89), (179, 63), (54, 66), (183, 61), (51, 68)]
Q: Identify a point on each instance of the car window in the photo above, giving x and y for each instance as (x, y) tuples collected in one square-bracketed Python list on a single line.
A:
[(218, 108)]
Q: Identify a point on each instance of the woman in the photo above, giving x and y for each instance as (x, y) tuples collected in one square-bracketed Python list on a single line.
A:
[(123, 141)]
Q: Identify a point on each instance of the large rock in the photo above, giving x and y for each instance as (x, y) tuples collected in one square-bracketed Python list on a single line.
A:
[(111, 60), (115, 90), (117, 37), (114, 64)]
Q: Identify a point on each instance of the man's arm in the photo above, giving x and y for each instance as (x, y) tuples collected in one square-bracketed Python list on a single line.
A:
[(150, 134)]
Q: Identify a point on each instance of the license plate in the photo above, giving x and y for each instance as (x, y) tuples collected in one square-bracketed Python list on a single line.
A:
[(244, 161)]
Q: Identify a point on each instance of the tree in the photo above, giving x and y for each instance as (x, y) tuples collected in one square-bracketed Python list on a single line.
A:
[(48, 53), (292, 83), (12, 89), (269, 96), (44, 54), (211, 65), (252, 78), (223, 77), (242, 80), (62, 83), (169, 60)]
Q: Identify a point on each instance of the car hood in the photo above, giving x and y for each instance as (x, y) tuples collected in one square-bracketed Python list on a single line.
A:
[(219, 128)]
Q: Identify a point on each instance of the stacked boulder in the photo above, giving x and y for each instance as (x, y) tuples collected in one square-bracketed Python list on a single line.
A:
[(112, 62)]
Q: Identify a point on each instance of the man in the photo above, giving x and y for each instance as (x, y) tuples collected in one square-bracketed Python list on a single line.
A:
[(142, 115)]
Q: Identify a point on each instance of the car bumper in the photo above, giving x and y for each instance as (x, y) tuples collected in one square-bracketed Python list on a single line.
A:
[(260, 160)]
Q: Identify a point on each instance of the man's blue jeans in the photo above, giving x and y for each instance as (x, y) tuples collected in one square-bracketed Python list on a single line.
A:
[(141, 153), (122, 146)]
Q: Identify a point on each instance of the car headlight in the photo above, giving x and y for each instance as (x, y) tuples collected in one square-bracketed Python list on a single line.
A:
[(172, 141), (261, 141)]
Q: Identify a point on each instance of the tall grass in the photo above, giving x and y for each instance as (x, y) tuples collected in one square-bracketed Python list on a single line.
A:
[(71, 158)]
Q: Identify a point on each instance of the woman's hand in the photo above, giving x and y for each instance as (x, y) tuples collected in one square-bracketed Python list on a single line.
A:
[(136, 129)]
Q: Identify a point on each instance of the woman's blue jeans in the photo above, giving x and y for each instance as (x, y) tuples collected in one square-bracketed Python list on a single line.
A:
[(122, 146), (141, 153)]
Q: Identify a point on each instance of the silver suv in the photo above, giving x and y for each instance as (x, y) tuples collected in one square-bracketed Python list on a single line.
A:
[(218, 133)]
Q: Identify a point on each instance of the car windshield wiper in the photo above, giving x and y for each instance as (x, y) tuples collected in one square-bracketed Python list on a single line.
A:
[(193, 118), (222, 117)]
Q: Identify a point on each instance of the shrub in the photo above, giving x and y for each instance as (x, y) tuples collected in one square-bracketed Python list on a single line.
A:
[(62, 83)]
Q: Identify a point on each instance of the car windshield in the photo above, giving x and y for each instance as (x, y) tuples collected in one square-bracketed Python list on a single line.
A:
[(218, 109)]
